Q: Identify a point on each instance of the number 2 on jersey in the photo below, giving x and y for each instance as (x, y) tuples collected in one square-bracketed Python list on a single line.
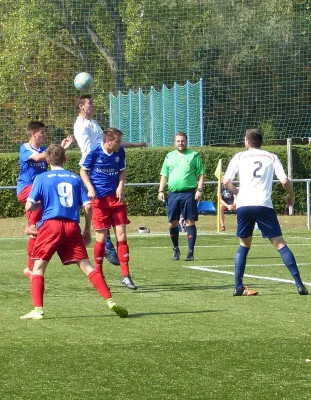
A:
[(256, 170)]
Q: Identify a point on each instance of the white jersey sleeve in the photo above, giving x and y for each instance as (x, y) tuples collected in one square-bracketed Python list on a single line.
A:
[(255, 169), (278, 169)]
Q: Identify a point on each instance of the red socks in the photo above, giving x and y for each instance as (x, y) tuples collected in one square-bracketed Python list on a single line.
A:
[(95, 277), (124, 257), (30, 245), (123, 254), (99, 254), (97, 280), (37, 290)]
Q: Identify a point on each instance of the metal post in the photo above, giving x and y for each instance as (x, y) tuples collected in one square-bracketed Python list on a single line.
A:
[(188, 113), (110, 109), (308, 203), (201, 112), (131, 111), (163, 116), (151, 116), (290, 168), (175, 108), (120, 112), (140, 113)]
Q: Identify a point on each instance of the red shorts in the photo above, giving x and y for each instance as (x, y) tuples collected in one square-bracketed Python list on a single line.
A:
[(109, 212), (23, 195), (61, 236)]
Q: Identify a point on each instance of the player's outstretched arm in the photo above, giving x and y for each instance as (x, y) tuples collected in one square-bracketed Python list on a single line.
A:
[(38, 156), (67, 142), (128, 145)]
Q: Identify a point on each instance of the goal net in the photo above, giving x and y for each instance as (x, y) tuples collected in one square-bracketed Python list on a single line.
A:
[(253, 57)]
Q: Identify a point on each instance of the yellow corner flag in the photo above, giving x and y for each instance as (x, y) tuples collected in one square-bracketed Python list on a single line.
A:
[(218, 173), (218, 170)]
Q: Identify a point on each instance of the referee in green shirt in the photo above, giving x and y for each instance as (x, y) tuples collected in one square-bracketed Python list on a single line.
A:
[(184, 172)]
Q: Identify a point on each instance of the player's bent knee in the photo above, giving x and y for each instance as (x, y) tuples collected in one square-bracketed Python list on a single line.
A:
[(85, 266)]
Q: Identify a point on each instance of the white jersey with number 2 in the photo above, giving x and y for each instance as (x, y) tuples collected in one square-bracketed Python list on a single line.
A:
[(255, 169)]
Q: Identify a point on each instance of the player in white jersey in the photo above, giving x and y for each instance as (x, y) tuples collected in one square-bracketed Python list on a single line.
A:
[(87, 133), (255, 169)]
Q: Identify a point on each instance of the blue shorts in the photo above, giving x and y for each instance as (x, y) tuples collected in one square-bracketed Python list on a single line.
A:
[(264, 216), (182, 203)]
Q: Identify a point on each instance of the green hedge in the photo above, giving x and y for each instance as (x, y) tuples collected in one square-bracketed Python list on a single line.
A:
[(143, 166)]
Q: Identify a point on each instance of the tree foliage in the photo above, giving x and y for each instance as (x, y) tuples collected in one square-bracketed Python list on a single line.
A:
[(253, 56)]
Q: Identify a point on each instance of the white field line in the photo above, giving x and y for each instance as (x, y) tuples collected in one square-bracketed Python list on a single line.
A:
[(298, 237), (221, 246), (217, 271), (225, 236), (248, 265)]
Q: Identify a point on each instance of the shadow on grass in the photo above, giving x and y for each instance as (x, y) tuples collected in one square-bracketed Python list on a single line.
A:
[(132, 315), (165, 287), (175, 287), (232, 259), (139, 315)]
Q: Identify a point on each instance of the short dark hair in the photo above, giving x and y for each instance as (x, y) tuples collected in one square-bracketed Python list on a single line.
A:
[(110, 133), (181, 134), (81, 99), (34, 126), (55, 155), (255, 137)]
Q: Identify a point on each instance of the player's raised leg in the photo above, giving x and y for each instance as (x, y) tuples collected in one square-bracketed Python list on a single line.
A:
[(97, 280)]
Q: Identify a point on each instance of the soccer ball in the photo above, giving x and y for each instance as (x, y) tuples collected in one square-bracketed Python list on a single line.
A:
[(84, 81)]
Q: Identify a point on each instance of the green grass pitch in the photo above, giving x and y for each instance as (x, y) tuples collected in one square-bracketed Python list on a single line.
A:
[(186, 337)]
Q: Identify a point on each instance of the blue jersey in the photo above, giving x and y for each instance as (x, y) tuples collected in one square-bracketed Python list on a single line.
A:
[(104, 169), (61, 193), (29, 168)]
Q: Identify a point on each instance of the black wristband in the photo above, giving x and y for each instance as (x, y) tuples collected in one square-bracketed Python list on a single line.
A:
[(160, 191)]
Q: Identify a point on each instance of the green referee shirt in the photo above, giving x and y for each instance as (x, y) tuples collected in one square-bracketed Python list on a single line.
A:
[(182, 170)]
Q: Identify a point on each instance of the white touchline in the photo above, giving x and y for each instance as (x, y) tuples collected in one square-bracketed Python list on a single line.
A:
[(248, 265), (245, 275)]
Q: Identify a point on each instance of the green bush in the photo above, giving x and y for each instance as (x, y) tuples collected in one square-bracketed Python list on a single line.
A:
[(144, 165)]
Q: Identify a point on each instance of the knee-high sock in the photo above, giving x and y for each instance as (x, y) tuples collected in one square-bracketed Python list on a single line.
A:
[(174, 233), (192, 236), (97, 280), (239, 266), (290, 262), (30, 245), (99, 254), (37, 290), (124, 257)]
